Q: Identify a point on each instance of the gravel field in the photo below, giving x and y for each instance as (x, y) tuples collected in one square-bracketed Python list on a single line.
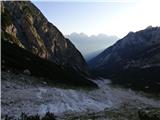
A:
[(23, 93)]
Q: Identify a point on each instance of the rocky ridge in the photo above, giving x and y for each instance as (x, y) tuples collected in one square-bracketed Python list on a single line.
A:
[(133, 61), (23, 24), (139, 49), (30, 42)]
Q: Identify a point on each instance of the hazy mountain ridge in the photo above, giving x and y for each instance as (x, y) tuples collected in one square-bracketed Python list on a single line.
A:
[(133, 59), (88, 45)]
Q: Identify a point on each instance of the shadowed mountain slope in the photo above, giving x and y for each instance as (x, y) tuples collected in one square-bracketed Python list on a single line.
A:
[(132, 61)]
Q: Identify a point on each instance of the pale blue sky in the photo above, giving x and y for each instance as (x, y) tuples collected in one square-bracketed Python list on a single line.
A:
[(112, 17)]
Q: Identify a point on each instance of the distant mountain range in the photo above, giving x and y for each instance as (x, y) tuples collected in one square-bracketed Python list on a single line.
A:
[(30, 42), (90, 46), (132, 61)]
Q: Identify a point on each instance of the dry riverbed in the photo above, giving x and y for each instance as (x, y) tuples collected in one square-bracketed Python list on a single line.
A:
[(23, 93)]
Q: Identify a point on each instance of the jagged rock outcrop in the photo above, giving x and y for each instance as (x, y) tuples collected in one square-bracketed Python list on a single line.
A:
[(30, 42), (134, 60), (24, 25)]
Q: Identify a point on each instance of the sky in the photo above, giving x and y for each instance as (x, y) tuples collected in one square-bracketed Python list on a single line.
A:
[(111, 17)]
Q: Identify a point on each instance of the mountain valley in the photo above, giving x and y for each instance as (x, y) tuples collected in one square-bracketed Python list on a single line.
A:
[(48, 76)]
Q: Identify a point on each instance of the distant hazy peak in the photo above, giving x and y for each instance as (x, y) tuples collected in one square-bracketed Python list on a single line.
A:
[(149, 27), (98, 35), (91, 45)]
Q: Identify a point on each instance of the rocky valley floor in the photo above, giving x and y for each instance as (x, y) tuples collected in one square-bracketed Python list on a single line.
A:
[(23, 93)]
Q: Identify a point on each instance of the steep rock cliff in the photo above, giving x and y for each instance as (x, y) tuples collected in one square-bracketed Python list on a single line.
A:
[(30, 42), (30, 30)]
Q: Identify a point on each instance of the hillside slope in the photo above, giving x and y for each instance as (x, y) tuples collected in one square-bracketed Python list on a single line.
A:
[(30, 42), (133, 60), (30, 30)]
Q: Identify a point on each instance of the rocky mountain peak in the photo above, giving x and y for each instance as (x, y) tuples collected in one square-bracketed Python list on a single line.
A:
[(23, 24), (133, 60), (132, 45)]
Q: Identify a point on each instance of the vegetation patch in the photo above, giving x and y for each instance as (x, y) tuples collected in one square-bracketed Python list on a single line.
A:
[(48, 116)]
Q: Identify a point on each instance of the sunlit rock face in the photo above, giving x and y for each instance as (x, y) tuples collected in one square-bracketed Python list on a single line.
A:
[(24, 25)]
